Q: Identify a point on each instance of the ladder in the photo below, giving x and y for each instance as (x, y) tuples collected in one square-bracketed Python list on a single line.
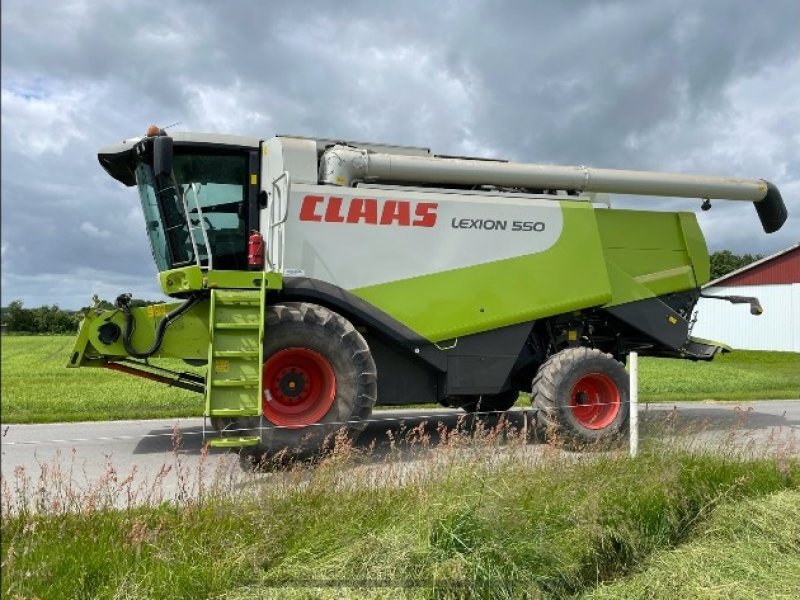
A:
[(235, 357)]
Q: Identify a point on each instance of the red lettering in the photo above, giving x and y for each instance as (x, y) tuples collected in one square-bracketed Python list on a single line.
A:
[(333, 212), (309, 207), (396, 210), (426, 211), (365, 210)]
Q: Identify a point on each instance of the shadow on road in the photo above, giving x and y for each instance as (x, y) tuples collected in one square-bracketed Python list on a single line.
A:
[(712, 418), (378, 436), (397, 429)]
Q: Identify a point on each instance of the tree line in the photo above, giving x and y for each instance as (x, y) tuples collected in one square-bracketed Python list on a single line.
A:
[(725, 261), (52, 319)]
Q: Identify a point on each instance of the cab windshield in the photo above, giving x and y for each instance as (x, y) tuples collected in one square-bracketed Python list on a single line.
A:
[(198, 214)]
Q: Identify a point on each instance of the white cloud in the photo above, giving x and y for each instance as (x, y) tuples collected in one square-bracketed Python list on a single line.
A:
[(93, 230), (706, 87), (225, 110), (744, 135), (35, 121)]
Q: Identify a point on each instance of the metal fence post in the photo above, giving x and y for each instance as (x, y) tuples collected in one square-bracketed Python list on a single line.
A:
[(634, 398)]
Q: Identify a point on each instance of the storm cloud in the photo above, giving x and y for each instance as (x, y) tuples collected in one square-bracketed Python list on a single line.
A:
[(704, 87)]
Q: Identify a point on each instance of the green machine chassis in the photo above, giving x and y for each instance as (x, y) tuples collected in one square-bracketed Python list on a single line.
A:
[(224, 328), (562, 314)]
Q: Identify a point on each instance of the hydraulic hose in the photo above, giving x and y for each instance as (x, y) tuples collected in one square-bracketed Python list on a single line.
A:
[(123, 302)]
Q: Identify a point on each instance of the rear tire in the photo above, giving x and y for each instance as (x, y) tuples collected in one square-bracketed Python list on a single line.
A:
[(319, 378), (582, 394)]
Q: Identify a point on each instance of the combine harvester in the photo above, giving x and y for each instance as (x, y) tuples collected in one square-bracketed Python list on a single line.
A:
[(318, 277)]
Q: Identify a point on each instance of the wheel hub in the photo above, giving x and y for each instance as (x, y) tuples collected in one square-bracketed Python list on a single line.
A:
[(299, 387), (293, 383), (595, 401)]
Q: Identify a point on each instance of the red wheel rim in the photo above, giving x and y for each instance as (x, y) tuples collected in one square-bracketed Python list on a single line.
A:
[(299, 387), (595, 401)]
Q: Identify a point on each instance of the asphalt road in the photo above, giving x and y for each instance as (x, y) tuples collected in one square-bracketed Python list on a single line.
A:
[(138, 459)]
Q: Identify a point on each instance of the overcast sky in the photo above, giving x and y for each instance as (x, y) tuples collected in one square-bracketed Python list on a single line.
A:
[(703, 87)]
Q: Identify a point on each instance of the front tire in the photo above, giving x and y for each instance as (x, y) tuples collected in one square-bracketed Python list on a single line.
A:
[(582, 394), (318, 378)]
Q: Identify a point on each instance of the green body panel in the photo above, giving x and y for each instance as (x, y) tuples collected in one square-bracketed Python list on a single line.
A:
[(604, 257), (663, 275), (651, 253), (81, 345), (177, 281), (441, 306), (696, 247), (625, 288), (639, 229), (253, 280), (186, 338), (189, 279)]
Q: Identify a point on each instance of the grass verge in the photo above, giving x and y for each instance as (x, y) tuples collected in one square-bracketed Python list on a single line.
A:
[(488, 523), (748, 549), (38, 388)]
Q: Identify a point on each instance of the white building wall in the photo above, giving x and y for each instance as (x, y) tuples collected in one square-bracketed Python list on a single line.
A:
[(778, 328)]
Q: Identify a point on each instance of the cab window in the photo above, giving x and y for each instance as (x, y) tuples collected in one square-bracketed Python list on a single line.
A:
[(217, 183)]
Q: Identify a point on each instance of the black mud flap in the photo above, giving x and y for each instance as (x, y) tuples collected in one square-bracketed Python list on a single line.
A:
[(696, 349)]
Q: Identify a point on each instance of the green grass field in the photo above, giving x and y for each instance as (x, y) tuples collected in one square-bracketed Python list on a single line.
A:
[(37, 388), (740, 375), (485, 524)]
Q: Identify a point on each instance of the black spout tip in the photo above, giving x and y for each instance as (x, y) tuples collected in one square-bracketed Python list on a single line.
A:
[(771, 210)]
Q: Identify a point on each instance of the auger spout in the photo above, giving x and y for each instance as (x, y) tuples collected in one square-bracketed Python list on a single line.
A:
[(344, 165)]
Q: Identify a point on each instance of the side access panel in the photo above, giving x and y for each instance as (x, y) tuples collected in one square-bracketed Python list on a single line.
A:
[(449, 263), (402, 377)]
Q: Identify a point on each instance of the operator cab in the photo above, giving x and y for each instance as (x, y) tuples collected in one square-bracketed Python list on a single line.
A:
[(199, 195)]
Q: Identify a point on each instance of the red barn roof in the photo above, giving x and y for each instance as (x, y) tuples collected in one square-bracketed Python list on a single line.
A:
[(780, 268)]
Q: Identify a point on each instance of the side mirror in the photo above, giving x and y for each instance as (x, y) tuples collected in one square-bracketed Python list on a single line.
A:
[(162, 155)]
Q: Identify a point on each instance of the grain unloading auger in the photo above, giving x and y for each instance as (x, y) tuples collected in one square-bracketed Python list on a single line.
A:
[(318, 277)]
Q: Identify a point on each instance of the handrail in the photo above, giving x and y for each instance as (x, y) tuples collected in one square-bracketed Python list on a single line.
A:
[(202, 225), (190, 227), (278, 214)]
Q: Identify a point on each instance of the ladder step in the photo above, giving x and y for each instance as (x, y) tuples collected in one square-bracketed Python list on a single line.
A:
[(238, 301), (235, 382), (235, 353), (234, 412), (233, 379), (236, 325), (234, 442), (227, 296)]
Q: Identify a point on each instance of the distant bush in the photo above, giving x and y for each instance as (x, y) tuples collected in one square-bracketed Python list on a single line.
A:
[(45, 319), (725, 262), (51, 319)]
